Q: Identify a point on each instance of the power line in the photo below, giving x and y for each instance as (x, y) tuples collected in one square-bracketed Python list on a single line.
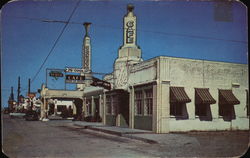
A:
[(139, 30), (51, 50)]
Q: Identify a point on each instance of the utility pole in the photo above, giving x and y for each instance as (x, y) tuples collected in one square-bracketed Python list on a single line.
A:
[(11, 94), (30, 98), (29, 86), (18, 91)]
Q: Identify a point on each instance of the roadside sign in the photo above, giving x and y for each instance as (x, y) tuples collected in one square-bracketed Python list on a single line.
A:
[(75, 70), (100, 83), (56, 74), (75, 79)]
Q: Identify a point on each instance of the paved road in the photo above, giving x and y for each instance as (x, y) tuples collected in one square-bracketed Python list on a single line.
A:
[(61, 139)]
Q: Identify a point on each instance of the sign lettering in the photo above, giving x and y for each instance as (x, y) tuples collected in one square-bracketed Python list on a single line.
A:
[(130, 32), (101, 83), (75, 79), (75, 70), (56, 74), (86, 57)]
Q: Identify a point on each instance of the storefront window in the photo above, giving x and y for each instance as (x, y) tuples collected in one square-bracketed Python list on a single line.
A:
[(114, 105), (108, 104), (88, 104), (148, 108), (138, 102)]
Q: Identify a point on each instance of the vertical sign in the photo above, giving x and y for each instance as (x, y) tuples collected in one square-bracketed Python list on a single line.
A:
[(130, 32)]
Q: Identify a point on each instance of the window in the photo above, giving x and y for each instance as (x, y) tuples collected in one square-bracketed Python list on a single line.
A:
[(88, 105), (114, 105), (176, 109), (226, 102), (201, 109), (203, 99), (108, 104), (178, 100), (225, 110), (138, 102), (148, 108)]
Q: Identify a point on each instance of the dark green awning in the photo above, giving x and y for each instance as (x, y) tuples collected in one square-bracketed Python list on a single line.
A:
[(178, 95), (227, 97), (202, 96)]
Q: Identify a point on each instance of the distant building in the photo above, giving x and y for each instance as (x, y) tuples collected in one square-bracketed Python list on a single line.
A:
[(11, 101), (168, 94)]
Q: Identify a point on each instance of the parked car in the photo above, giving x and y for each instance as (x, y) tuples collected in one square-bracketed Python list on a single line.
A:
[(31, 116), (6, 110)]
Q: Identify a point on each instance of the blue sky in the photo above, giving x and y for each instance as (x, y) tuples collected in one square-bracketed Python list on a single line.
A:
[(197, 29)]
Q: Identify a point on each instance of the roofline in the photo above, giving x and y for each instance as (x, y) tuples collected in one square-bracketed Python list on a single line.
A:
[(161, 56)]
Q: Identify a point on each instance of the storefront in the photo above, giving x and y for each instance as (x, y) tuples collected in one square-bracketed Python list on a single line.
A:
[(117, 108)]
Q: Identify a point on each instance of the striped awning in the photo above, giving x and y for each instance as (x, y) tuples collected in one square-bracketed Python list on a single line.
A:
[(227, 97), (178, 95), (202, 96)]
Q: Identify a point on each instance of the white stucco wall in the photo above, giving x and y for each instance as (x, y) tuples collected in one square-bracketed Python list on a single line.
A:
[(192, 74), (142, 72)]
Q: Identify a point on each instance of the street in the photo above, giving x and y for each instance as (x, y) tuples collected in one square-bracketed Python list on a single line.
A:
[(59, 138)]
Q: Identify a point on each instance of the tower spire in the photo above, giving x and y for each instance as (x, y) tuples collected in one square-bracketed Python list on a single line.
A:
[(129, 26), (129, 53), (87, 25), (86, 48)]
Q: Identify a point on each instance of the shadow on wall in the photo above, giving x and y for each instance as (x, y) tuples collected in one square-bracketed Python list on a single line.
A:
[(229, 113), (184, 115), (208, 115)]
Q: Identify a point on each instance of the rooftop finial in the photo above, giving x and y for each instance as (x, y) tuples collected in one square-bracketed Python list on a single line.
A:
[(87, 25), (130, 7)]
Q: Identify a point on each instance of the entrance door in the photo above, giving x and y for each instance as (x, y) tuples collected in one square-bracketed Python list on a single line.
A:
[(78, 104), (97, 110), (51, 109)]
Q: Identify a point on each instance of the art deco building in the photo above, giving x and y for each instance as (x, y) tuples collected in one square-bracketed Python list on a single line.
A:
[(168, 94)]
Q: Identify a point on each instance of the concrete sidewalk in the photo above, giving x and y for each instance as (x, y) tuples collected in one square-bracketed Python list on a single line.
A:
[(119, 131)]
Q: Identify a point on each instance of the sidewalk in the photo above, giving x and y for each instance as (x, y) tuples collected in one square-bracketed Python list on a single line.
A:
[(119, 131), (55, 117)]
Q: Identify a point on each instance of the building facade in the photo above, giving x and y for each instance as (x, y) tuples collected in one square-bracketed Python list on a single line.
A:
[(168, 94), (163, 94)]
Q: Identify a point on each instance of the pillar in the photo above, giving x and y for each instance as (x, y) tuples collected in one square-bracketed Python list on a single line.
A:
[(161, 107), (42, 109), (84, 108), (104, 109), (45, 110), (100, 106), (131, 107), (55, 108), (92, 106)]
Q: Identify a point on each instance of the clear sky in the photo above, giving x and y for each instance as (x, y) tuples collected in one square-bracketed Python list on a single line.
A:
[(189, 29)]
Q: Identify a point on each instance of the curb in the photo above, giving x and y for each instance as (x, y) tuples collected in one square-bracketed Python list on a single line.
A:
[(140, 138), (105, 131), (125, 134)]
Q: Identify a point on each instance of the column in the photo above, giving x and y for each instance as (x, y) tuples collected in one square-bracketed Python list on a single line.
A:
[(55, 109), (84, 107), (131, 107), (100, 106), (104, 109), (92, 106), (74, 107), (45, 111), (161, 110), (42, 109)]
